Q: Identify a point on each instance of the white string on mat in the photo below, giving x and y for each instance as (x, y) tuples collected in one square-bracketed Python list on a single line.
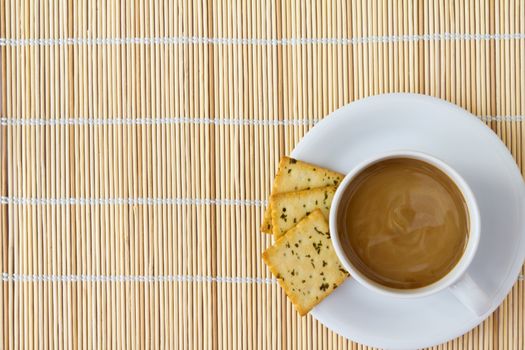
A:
[(131, 201), (255, 41), (137, 278), (143, 279), (502, 118), (205, 121), (155, 121)]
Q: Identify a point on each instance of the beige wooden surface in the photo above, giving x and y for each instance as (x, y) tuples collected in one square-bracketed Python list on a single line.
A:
[(139, 141)]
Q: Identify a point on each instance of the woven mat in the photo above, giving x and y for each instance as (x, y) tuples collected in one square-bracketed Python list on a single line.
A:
[(139, 141)]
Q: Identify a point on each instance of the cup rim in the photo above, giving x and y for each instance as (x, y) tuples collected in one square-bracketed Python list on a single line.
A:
[(474, 224)]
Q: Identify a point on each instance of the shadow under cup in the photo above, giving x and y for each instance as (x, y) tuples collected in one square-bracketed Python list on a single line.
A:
[(402, 223)]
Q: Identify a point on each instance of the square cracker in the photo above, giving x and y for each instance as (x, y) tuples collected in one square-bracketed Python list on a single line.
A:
[(305, 263), (295, 175), (291, 207)]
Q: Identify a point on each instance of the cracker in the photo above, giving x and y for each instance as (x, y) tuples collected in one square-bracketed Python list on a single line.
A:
[(295, 175), (266, 225), (305, 263), (290, 207)]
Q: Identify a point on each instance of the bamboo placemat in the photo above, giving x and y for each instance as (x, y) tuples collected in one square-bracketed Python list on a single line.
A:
[(139, 141)]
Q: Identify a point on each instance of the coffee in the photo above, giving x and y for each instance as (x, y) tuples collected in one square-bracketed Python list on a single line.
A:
[(404, 223)]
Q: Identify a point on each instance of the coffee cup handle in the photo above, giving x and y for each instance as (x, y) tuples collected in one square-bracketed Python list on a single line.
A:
[(470, 294)]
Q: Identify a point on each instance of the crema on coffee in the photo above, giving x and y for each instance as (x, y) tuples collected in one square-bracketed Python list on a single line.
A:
[(404, 223)]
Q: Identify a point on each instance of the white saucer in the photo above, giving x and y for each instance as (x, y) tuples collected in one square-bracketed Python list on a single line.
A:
[(415, 122)]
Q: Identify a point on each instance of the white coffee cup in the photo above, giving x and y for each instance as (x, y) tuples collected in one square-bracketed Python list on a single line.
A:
[(458, 280)]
